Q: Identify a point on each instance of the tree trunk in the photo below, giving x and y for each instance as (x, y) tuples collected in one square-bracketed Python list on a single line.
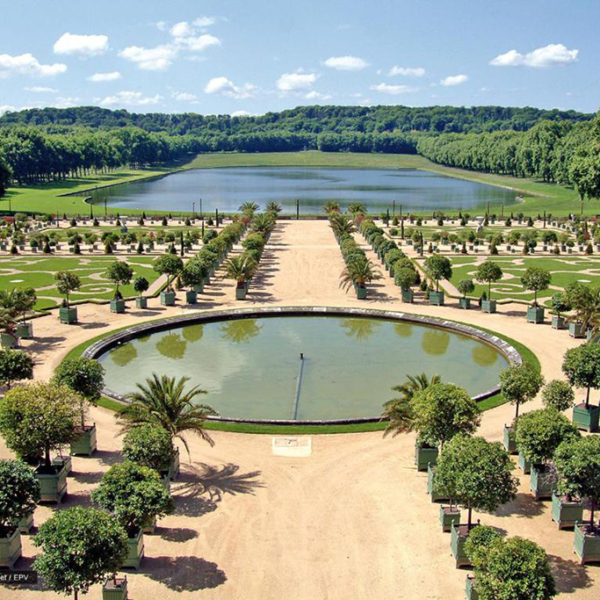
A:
[(47, 457), (469, 519)]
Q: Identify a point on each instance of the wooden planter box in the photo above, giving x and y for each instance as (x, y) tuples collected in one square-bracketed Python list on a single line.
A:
[(135, 551), (408, 296), (424, 456), (510, 445), (25, 330), (464, 303), (566, 513), (542, 483), (488, 306), (67, 316), (167, 298), (535, 314), (576, 330), (86, 444), (10, 549), (361, 292), (115, 589), (53, 486), (586, 545), (432, 490), (558, 322), (191, 297), (141, 302), (26, 524), (150, 526), (470, 589), (524, 463), (117, 306), (436, 298), (449, 515), (241, 291), (63, 462), (458, 537), (586, 417), (8, 340)]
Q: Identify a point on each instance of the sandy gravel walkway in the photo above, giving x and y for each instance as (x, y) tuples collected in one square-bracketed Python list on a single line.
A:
[(353, 520)]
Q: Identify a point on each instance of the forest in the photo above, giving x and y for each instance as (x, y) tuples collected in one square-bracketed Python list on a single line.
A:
[(38, 145)]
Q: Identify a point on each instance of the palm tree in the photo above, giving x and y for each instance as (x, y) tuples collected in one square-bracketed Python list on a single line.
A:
[(164, 402), (416, 383), (274, 207), (263, 223), (331, 207), (241, 268), (248, 207), (341, 225), (355, 208), (358, 272)]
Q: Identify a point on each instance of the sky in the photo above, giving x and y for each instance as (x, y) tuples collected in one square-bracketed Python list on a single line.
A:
[(249, 57)]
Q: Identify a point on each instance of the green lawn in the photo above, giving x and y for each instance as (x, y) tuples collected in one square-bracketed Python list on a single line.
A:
[(38, 272), (538, 196)]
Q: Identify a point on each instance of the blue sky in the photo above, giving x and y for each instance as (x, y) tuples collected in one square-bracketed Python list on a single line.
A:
[(240, 57)]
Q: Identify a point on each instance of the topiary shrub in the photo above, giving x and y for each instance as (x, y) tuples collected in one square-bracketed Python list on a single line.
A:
[(148, 445)]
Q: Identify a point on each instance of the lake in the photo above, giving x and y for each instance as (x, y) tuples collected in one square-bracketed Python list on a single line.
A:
[(228, 188)]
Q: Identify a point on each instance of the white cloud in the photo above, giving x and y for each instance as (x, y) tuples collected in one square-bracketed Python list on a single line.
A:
[(314, 95), (394, 90), (100, 77), (27, 64), (226, 87), (130, 99), (181, 29), (83, 45), (241, 113), (547, 56), (38, 89), (346, 63), (7, 108), (204, 21), (66, 102), (197, 44), (454, 80), (161, 25), (184, 96), (407, 71), (150, 59), (293, 82)]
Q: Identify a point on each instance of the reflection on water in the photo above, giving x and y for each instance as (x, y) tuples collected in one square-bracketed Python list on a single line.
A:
[(172, 346), (403, 329), (144, 338), (484, 356), (193, 333), (361, 329), (240, 331), (124, 354), (435, 342)]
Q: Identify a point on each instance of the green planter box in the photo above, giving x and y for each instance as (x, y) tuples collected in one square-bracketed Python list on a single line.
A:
[(115, 589), (117, 306), (241, 291), (449, 515), (458, 537), (524, 463), (470, 589), (586, 545), (408, 296), (558, 322), (7, 340), (25, 330), (135, 552), (488, 306), (510, 445), (63, 462), (464, 303), (141, 302), (26, 524), (167, 298), (586, 417), (10, 549), (535, 314), (542, 482), (432, 490), (67, 315), (424, 456), (436, 298), (576, 330), (86, 444), (361, 292), (191, 297), (53, 486), (566, 513)]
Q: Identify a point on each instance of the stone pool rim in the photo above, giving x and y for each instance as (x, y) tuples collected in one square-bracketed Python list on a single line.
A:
[(112, 340)]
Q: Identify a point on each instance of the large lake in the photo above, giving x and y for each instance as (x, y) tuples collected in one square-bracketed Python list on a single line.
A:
[(228, 188)]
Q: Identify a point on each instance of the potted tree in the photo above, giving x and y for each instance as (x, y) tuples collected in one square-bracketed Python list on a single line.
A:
[(14, 303), (578, 463), (476, 548), (358, 273), (81, 547), (192, 276), (581, 365), (518, 384), (15, 365), (86, 377), (465, 286), (558, 394), (141, 285), (171, 266), (241, 268), (22, 303), (405, 278), (438, 267), (19, 495), (488, 272), (34, 419), (586, 302), (120, 273), (136, 496), (464, 470), (536, 279), (66, 283), (538, 435), (559, 305)]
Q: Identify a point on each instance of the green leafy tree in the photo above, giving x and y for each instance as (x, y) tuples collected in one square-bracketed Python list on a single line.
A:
[(405, 278), (80, 547), (15, 365), (443, 410), (38, 417), (140, 285), (120, 273), (465, 286), (168, 265), (488, 272), (478, 544), (581, 365), (133, 494), (439, 267), (536, 279), (148, 445), (586, 302), (165, 402), (19, 492), (193, 273), (520, 384), (66, 283), (467, 466), (558, 394)]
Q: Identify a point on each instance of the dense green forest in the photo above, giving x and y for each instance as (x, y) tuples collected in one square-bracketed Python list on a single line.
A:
[(39, 145)]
